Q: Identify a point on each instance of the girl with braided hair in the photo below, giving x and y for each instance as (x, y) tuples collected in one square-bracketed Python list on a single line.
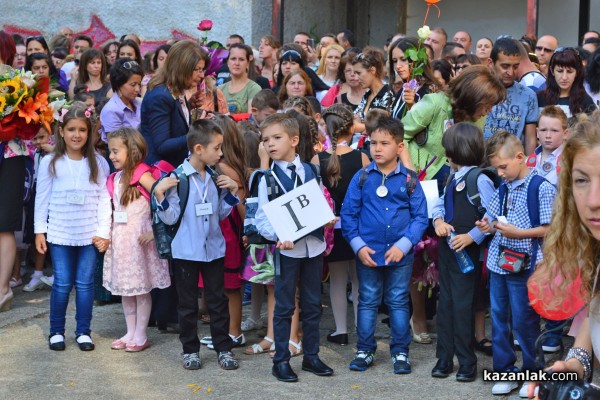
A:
[(338, 165)]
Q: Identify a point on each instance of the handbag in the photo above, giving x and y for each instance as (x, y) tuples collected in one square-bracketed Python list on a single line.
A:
[(512, 261)]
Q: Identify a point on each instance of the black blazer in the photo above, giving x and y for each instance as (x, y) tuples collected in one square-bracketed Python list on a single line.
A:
[(164, 127)]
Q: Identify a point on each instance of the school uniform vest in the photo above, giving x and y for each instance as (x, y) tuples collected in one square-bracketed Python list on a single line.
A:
[(288, 185), (461, 214)]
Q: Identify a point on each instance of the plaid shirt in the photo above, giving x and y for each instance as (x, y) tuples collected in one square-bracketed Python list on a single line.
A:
[(518, 215)]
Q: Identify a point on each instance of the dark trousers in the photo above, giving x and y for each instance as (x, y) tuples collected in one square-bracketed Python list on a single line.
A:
[(305, 273), (186, 278), (455, 318)]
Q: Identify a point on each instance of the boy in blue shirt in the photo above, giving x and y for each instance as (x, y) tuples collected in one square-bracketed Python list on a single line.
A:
[(383, 216), (514, 233), (199, 245), (301, 263)]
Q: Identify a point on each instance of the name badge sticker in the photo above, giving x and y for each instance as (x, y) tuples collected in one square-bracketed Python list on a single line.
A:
[(75, 198), (120, 217), (203, 209)]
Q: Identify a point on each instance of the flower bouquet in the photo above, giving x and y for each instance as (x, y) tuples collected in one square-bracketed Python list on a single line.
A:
[(23, 104)]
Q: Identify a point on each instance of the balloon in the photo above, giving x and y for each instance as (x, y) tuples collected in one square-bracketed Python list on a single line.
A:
[(540, 297)]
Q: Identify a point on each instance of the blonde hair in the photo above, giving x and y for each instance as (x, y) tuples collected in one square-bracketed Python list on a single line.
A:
[(136, 153), (503, 140), (569, 247), (322, 67)]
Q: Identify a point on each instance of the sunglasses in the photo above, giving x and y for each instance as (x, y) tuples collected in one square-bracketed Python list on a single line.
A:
[(543, 49), (290, 52), (563, 49), (128, 65), (459, 67), (36, 38)]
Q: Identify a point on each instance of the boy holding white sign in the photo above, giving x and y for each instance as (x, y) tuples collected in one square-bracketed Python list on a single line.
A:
[(301, 263), (383, 216)]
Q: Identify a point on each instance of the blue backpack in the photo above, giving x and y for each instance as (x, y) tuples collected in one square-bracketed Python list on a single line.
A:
[(533, 209)]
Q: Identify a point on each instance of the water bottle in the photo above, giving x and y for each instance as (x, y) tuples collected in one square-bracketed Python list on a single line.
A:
[(462, 258)]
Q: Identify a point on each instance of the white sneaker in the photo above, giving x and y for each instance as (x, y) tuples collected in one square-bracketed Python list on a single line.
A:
[(34, 284), (206, 340), (504, 387), (237, 341), (523, 390), (48, 280)]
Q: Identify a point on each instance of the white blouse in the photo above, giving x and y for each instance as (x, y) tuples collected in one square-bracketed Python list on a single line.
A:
[(68, 207)]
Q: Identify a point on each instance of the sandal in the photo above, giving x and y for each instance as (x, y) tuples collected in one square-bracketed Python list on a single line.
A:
[(13, 283), (481, 346), (295, 349), (258, 349), (422, 338)]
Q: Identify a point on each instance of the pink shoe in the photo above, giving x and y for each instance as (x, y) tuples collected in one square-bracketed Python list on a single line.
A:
[(118, 344), (134, 348), (13, 283)]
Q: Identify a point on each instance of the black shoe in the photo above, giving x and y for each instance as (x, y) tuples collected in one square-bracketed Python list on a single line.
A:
[(442, 369), (283, 372), (85, 342), (59, 341), (466, 373), (341, 339), (317, 367)]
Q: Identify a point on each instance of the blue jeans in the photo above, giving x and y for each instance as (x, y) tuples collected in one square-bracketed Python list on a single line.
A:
[(73, 265), (391, 283), (510, 307)]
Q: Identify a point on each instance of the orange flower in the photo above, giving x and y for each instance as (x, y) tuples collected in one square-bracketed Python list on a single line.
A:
[(429, 2), (46, 118), (28, 110)]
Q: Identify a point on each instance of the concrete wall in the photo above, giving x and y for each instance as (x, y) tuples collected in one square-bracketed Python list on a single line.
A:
[(152, 20), (313, 16)]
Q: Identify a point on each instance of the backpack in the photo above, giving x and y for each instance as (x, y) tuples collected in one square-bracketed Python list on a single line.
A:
[(411, 179), (157, 170), (163, 233), (273, 192), (533, 209), (471, 183)]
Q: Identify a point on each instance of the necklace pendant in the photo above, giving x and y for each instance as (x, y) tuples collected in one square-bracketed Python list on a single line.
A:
[(381, 191)]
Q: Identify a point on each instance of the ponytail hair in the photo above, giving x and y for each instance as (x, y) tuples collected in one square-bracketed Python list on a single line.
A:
[(339, 121)]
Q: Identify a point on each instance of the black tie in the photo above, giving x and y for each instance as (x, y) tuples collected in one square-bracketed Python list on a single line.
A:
[(294, 176)]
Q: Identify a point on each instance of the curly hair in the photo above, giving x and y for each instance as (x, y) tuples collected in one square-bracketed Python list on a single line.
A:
[(339, 120), (570, 248)]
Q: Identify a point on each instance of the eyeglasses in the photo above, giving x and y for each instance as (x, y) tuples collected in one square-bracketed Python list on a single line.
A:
[(128, 65), (543, 49)]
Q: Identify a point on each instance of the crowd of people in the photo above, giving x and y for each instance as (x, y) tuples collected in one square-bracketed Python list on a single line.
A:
[(499, 127)]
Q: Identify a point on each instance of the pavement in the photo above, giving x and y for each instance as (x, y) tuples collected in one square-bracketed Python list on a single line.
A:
[(29, 370)]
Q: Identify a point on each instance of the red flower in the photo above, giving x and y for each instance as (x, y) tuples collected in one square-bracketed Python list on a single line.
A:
[(205, 25)]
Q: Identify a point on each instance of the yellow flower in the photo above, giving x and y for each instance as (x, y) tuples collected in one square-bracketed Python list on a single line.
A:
[(2, 104)]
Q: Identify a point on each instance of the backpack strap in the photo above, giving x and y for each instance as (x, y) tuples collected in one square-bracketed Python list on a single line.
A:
[(110, 184), (315, 169), (533, 207), (411, 179)]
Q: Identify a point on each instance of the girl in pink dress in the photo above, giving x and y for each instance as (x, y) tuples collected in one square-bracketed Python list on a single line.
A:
[(132, 267)]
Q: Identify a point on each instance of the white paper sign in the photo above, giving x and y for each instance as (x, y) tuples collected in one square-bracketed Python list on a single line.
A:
[(430, 187), (299, 212)]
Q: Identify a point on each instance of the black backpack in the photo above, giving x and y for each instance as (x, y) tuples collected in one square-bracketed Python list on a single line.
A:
[(411, 179), (163, 233), (471, 183)]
